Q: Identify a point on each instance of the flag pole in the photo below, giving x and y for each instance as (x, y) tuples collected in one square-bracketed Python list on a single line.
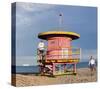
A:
[(60, 20)]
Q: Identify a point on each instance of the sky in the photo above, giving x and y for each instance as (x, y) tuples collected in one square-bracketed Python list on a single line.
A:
[(32, 18)]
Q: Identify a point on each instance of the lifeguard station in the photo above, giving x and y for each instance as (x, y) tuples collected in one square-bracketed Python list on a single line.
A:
[(60, 56)]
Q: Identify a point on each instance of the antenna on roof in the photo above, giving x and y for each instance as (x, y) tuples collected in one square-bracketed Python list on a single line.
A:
[(60, 20)]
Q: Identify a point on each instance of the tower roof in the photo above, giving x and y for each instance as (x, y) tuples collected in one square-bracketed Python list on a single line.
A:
[(46, 35)]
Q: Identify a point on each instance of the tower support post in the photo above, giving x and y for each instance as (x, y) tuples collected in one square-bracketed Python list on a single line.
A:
[(74, 69)]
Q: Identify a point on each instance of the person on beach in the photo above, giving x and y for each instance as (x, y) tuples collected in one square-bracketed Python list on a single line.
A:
[(92, 64), (40, 52), (41, 49)]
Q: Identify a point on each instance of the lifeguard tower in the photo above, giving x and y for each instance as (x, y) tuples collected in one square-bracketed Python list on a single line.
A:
[(60, 56)]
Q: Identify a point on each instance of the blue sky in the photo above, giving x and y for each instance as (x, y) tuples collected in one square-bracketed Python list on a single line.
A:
[(32, 19)]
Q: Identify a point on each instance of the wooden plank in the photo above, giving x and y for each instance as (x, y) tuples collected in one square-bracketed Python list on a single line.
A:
[(62, 60)]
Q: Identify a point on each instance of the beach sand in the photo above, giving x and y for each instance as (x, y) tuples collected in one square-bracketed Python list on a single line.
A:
[(83, 76)]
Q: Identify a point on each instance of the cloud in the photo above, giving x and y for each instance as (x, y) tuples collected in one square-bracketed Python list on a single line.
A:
[(22, 20), (33, 7), (31, 13)]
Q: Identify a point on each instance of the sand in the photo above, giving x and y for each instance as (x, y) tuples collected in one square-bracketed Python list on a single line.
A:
[(83, 76)]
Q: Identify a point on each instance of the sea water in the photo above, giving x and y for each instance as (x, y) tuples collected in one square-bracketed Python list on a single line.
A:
[(35, 69)]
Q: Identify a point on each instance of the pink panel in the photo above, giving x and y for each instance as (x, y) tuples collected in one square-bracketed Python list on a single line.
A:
[(54, 54), (58, 43), (64, 42), (55, 45)]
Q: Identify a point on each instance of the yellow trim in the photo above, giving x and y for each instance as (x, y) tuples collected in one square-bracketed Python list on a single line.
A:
[(59, 33), (62, 60), (67, 73)]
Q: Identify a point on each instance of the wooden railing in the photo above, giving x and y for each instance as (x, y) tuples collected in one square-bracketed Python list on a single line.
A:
[(65, 53)]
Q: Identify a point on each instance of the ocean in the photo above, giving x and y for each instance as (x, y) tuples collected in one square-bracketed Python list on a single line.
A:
[(35, 69)]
